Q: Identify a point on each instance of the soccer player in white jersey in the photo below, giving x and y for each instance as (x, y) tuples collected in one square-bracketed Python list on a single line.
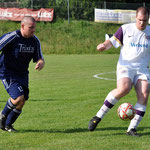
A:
[(132, 68), (18, 48)]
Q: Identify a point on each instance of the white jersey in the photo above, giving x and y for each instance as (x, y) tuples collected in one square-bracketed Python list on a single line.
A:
[(135, 46)]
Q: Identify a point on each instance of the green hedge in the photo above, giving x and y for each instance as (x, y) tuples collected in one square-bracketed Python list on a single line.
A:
[(78, 37)]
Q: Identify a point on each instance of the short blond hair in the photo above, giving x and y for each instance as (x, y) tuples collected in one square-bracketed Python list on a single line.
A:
[(26, 19)]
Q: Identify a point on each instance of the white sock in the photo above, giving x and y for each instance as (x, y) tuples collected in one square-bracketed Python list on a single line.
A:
[(109, 102), (138, 117)]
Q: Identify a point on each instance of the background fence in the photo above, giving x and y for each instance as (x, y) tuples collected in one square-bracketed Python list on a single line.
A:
[(71, 9)]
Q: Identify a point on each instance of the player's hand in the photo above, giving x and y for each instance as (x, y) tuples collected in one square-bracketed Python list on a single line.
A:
[(101, 47), (39, 65)]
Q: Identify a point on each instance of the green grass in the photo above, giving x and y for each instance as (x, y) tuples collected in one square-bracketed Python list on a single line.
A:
[(63, 98)]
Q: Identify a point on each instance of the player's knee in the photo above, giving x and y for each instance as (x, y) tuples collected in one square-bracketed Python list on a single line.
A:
[(123, 91), (19, 100)]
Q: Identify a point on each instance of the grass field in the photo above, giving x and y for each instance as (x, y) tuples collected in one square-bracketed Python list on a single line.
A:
[(63, 98)]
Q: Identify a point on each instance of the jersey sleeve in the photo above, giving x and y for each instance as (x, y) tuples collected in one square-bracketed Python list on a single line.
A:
[(38, 52), (6, 39), (117, 38)]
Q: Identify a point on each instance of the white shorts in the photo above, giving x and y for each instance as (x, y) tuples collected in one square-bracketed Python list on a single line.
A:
[(134, 75)]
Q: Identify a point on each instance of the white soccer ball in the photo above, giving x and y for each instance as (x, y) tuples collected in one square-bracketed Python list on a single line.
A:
[(126, 111)]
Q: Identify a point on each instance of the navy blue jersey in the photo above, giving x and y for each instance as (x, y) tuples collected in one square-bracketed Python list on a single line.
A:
[(16, 54)]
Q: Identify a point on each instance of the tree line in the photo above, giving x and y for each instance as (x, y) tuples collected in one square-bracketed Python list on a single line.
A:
[(78, 9)]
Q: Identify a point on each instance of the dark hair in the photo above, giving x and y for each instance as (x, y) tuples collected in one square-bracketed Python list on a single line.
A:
[(143, 10)]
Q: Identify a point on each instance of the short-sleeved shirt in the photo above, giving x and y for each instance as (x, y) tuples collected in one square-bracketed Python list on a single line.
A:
[(135, 46), (16, 52)]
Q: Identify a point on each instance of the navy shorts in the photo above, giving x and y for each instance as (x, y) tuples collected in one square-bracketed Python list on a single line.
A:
[(15, 88)]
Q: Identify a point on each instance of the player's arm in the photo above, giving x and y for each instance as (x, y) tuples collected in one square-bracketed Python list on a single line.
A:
[(104, 46), (40, 64), (6, 39), (38, 56), (116, 40)]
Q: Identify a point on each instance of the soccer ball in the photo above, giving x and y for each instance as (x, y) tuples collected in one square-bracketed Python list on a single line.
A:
[(126, 111)]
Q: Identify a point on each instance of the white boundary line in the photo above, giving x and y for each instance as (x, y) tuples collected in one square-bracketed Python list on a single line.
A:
[(102, 78)]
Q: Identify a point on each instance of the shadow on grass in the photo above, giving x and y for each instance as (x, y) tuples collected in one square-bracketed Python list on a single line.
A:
[(55, 131), (82, 130), (35, 100)]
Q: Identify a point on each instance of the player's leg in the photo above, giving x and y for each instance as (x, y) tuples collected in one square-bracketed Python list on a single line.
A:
[(15, 113), (8, 84), (142, 90), (124, 85), (14, 105), (3, 115), (10, 106)]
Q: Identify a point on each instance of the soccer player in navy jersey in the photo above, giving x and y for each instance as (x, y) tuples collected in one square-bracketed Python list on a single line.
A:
[(18, 48), (132, 68)]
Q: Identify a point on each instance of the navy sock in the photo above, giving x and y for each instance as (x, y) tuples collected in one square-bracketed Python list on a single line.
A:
[(13, 115), (8, 108)]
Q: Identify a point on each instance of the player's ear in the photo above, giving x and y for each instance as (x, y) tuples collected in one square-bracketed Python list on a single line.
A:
[(22, 26)]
